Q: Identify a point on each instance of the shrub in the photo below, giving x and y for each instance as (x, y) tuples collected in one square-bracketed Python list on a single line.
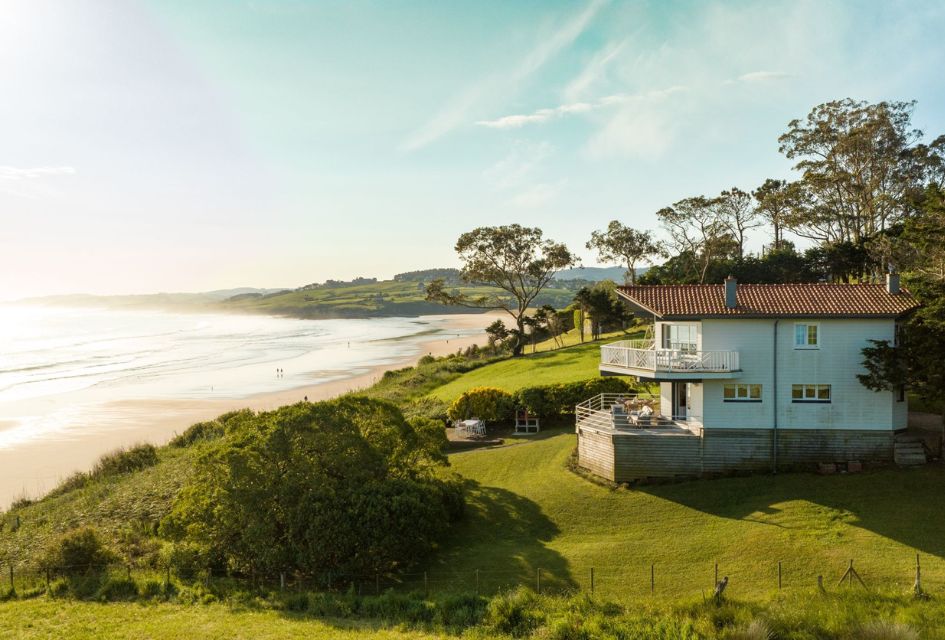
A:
[(458, 612), (485, 403), (559, 399), (75, 481), (125, 461), (152, 588), (184, 558), (199, 432), (77, 552), (515, 613), (886, 630), (113, 589)]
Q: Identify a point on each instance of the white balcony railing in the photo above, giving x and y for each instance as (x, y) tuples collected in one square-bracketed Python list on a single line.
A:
[(599, 412), (643, 355)]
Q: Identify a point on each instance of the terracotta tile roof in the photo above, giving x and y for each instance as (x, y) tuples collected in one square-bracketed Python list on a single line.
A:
[(771, 300)]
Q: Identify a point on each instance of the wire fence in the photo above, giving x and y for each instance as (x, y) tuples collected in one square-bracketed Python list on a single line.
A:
[(918, 573)]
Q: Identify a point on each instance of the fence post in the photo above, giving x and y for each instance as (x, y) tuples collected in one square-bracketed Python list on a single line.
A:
[(592, 580), (538, 580), (129, 572), (779, 574), (377, 584), (47, 579), (716, 574), (282, 581), (477, 582), (426, 585), (652, 578), (918, 577)]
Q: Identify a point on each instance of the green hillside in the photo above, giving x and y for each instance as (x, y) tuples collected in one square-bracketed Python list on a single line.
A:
[(383, 298)]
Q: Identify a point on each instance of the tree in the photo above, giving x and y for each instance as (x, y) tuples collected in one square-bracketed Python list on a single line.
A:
[(776, 199), (695, 229), (602, 305), (347, 486), (737, 213), (858, 166), (517, 260), (623, 245)]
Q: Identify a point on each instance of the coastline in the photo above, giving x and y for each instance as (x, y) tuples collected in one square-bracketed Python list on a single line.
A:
[(31, 469)]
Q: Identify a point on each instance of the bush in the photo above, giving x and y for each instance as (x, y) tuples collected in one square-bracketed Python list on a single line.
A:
[(125, 461), (113, 589), (184, 558), (515, 613), (77, 552), (76, 481), (199, 432), (560, 399), (485, 403)]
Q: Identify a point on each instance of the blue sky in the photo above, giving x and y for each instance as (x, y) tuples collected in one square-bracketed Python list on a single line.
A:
[(189, 145)]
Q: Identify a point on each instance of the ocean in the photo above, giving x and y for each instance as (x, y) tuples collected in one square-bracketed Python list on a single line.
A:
[(67, 373)]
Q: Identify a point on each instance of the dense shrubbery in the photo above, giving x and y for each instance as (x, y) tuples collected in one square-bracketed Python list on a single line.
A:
[(124, 461), (210, 430), (346, 486), (559, 399), (485, 403), (76, 552)]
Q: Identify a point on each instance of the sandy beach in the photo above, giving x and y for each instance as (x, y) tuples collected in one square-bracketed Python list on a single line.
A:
[(34, 467)]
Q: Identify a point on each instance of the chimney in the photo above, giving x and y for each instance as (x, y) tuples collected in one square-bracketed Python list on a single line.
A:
[(731, 292), (892, 283)]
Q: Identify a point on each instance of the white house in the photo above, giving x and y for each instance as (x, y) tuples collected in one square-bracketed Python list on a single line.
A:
[(751, 377)]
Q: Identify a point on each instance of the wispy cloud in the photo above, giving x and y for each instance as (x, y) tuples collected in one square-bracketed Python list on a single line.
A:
[(544, 115), (594, 71), (456, 113), (762, 76), (516, 168), (28, 182), (16, 173), (536, 195)]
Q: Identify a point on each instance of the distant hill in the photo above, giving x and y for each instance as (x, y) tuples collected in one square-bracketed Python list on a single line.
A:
[(596, 274)]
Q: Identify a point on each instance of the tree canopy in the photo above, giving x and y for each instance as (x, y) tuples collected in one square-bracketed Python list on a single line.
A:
[(519, 261), (624, 245), (344, 486)]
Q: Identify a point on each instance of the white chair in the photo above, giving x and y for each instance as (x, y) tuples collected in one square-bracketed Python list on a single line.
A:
[(525, 423)]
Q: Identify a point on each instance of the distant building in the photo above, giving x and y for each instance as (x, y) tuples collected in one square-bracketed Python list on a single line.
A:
[(751, 377)]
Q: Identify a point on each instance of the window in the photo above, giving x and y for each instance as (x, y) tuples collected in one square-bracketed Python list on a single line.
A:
[(741, 393), (901, 393), (680, 337), (806, 336), (810, 393)]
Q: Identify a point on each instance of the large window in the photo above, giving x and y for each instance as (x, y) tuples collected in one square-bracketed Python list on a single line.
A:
[(680, 337), (741, 393), (810, 393), (806, 335)]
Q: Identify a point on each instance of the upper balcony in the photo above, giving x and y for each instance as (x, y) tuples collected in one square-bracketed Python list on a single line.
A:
[(641, 358)]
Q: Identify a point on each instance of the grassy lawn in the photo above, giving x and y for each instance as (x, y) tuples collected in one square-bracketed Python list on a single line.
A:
[(67, 620), (528, 512), (572, 364)]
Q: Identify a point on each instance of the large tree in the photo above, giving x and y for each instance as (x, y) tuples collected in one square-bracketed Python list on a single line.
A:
[(858, 166), (737, 212), (695, 230), (623, 245), (518, 261), (776, 199)]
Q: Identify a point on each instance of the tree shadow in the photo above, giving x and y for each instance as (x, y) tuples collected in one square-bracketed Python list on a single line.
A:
[(500, 543), (898, 504)]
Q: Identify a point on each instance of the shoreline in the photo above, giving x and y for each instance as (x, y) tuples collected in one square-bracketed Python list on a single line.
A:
[(33, 468)]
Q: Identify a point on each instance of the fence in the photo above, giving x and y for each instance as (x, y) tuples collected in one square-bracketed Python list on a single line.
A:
[(744, 578)]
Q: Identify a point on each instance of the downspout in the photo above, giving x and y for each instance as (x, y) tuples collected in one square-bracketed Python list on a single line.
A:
[(774, 397)]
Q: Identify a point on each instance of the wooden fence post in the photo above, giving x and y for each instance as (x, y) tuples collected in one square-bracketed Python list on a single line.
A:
[(779, 574), (592, 580), (652, 578), (538, 580), (282, 581), (918, 577), (477, 582)]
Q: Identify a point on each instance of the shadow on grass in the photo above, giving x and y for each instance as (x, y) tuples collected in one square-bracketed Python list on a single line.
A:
[(500, 543), (899, 504)]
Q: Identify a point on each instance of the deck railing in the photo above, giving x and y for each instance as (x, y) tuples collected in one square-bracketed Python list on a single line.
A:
[(598, 412), (643, 354)]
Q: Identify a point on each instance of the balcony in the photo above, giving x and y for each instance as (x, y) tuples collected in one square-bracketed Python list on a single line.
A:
[(625, 413), (642, 359)]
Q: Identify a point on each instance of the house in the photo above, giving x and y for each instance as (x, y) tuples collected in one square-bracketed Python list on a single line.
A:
[(751, 377)]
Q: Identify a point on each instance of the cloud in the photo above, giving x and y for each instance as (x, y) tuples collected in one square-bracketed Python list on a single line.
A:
[(15, 173), (519, 165), (762, 76), (28, 183), (544, 115), (594, 70), (456, 113), (536, 195)]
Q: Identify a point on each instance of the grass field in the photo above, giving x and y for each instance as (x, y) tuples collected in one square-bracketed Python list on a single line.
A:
[(570, 364), (528, 512)]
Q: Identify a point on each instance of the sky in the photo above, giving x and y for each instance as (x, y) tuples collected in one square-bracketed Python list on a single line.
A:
[(191, 145)]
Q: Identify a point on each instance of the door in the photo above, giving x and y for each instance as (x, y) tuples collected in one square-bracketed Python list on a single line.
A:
[(680, 400)]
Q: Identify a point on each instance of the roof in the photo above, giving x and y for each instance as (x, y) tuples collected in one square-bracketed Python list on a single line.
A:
[(692, 301)]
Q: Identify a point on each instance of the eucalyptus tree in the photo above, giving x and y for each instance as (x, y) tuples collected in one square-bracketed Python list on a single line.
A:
[(737, 213), (695, 229), (517, 262), (776, 200), (624, 245), (857, 165)]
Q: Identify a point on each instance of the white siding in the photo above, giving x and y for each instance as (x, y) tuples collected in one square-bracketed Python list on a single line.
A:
[(836, 363)]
